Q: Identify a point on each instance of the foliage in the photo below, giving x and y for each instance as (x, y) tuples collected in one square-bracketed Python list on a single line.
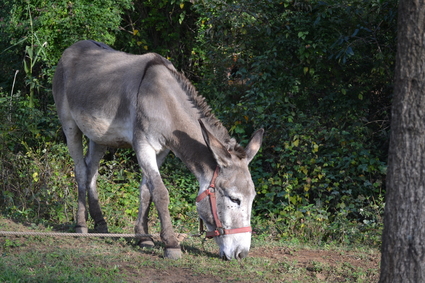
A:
[(60, 24), (167, 27), (38, 184), (21, 124), (42, 29)]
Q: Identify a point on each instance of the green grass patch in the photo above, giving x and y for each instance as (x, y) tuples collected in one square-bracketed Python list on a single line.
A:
[(68, 259)]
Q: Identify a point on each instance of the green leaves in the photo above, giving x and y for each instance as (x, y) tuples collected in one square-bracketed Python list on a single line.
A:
[(57, 25)]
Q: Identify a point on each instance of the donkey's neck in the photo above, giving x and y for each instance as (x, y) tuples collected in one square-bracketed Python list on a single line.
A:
[(195, 155), (187, 140)]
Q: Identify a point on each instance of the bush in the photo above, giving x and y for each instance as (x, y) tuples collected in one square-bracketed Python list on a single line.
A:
[(38, 184)]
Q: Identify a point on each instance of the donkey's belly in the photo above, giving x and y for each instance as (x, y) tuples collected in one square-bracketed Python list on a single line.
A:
[(106, 132)]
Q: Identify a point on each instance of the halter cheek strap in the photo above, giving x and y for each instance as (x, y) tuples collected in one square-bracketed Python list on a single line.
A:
[(219, 230)]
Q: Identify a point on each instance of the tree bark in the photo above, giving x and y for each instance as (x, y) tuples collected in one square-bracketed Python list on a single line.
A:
[(403, 240)]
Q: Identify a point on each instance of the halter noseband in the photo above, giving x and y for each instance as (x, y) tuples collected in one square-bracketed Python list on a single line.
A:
[(219, 230)]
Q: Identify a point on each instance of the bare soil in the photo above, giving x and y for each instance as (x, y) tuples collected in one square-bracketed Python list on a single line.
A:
[(317, 264)]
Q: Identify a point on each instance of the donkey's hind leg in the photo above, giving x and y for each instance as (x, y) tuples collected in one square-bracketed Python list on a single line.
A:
[(74, 140), (94, 154), (145, 202)]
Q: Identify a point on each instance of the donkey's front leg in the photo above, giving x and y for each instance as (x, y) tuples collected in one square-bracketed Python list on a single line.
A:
[(161, 200), (148, 161), (145, 202)]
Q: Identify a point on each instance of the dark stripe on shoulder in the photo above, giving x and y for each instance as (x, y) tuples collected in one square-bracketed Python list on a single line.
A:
[(155, 61), (102, 45)]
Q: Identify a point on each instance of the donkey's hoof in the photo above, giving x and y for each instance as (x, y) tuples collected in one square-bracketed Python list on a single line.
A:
[(173, 253), (146, 244), (81, 230), (101, 228)]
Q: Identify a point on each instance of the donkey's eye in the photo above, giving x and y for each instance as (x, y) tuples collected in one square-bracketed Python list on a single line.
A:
[(235, 200)]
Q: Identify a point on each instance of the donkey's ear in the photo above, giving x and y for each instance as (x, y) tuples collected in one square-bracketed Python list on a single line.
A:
[(254, 144), (220, 152)]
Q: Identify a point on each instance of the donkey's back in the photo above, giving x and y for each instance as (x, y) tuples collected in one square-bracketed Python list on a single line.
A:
[(95, 89)]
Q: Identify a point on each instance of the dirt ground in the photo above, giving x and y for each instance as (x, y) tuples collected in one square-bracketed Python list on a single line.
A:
[(310, 261), (320, 263)]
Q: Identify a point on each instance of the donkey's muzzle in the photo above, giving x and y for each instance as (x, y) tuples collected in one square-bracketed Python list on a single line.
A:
[(239, 254)]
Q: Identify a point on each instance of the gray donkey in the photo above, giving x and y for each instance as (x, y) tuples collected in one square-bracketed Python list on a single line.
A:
[(140, 101)]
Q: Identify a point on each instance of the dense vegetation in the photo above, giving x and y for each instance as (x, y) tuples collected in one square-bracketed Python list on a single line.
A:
[(317, 75)]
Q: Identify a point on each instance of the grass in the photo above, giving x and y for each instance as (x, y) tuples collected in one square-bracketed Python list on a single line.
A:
[(60, 259)]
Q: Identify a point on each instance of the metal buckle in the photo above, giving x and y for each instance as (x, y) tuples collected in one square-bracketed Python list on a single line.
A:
[(220, 231)]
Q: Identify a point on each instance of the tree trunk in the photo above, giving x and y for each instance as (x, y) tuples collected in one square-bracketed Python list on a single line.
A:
[(403, 240)]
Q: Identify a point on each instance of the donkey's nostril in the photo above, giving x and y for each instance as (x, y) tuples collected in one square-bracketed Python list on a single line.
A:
[(241, 255)]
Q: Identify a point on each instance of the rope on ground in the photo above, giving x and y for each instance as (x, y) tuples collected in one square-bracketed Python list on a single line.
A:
[(155, 237), (56, 234)]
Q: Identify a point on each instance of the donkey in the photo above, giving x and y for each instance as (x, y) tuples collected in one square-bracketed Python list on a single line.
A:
[(117, 99)]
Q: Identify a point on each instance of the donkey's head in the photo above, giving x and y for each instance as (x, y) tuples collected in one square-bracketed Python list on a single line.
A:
[(226, 205)]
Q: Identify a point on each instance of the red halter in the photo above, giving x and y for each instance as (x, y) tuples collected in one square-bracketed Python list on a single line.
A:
[(219, 230)]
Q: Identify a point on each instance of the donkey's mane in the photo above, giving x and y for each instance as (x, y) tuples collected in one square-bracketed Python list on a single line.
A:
[(208, 116)]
